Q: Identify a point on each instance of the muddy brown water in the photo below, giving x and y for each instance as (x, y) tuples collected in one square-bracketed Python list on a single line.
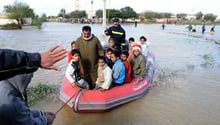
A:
[(186, 87)]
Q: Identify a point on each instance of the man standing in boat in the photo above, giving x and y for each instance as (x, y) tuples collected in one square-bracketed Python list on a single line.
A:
[(90, 49), (117, 33)]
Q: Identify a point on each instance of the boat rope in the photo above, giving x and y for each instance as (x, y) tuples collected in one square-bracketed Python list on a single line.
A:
[(66, 102)]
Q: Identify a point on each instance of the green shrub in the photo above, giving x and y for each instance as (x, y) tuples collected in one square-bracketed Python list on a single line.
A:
[(40, 91)]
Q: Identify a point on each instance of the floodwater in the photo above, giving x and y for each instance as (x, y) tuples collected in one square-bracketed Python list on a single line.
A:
[(186, 87)]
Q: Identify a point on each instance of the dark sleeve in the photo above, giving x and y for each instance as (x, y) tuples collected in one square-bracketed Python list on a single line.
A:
[(14, 62), (108, 31), (124, 35), (22, 115)]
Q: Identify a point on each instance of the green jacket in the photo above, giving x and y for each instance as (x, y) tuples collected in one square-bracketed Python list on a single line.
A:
[(138, 65), (90, 50)]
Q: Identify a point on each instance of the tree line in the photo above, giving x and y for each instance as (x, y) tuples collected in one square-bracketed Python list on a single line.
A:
[(21, 10)]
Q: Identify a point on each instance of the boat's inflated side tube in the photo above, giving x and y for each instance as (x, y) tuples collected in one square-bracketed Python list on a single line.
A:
[(76, 101)]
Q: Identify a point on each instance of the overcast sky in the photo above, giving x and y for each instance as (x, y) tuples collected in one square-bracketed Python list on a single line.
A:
[(53, 7)]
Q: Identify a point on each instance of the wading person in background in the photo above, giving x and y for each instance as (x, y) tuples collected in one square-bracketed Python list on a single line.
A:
[(90, 49), (16, 69), (203, 28), (117, 33)]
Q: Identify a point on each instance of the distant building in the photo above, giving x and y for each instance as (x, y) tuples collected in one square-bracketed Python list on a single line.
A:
[(191, 16), (4, 19)]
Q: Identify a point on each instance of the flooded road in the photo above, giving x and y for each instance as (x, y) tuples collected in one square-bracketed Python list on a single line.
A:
[(186, 87)]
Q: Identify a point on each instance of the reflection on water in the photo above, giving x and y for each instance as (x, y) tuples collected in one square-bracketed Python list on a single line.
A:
[(186, 87)]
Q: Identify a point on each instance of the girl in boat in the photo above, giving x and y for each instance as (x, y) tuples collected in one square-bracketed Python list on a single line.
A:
[(104, 79)]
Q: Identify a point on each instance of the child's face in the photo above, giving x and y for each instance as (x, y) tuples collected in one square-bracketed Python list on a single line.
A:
[(101, 62), (108, 54), (131, 44), (73, 46), (142, 41), (113, 58), (123, 57), (111, 43), (76, 57), (136, 52)]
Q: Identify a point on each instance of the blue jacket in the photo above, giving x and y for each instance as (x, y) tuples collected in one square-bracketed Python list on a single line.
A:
[(118, 72), (13, 107), (14, 62)]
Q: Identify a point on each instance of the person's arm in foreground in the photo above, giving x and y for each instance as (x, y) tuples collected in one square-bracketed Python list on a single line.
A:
[(13, 62)]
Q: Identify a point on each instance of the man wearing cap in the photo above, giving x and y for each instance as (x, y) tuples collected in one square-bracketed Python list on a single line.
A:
[(117, 33)]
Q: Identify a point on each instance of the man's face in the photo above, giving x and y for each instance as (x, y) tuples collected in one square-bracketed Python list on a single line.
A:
[(86, 33), (115, 23)]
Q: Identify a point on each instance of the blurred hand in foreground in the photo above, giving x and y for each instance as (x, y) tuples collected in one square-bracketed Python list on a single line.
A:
[(51, 56)]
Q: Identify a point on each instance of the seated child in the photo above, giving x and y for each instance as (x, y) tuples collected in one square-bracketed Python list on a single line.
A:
[(104, 79), (108, 60), (118, 69), (131, 41), (111, 44), (124, 58), (73, 46), (138, 63), (73, 71)]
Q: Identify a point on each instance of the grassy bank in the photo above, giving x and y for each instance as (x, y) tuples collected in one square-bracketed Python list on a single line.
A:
[(12, 26), (36, 93)]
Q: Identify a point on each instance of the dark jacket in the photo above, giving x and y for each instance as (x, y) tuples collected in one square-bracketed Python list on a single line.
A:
[(13, 108), (14, 62), (118, 34)]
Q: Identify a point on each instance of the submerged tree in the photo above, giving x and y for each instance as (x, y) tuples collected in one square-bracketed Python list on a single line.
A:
[(210, 17), (199, 15), (78, 14), (19, 10)]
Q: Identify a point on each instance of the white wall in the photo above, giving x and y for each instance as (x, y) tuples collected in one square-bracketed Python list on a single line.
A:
[(7, 21)]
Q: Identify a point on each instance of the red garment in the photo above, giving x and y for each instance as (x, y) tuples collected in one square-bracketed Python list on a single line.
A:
[(127, 71), (69, 56)]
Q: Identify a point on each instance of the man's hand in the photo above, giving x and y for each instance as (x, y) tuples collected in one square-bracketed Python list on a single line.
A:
[(51, 56), (50, 117)]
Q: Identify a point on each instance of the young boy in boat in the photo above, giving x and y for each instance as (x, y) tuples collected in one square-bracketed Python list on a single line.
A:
[(73, 71), (111, 44), (73, 46), (104, 79), (138, 63), (108, 60), (118, 69), (124, 59), (144, 45)]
